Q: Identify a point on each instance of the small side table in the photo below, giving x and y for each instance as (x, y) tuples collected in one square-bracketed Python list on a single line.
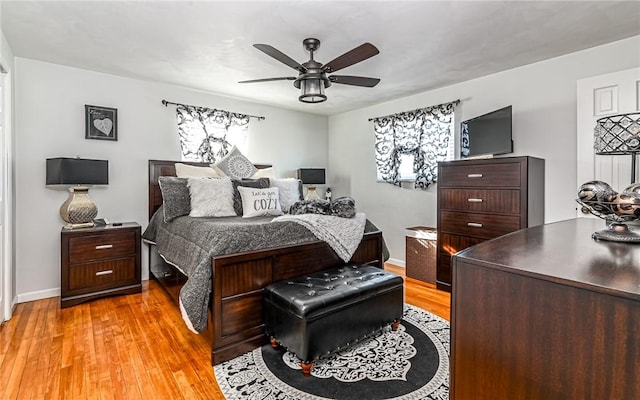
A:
[(421, 243), (98, 262)]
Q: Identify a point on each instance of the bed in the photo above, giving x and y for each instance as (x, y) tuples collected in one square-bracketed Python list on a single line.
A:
[(234, 317)]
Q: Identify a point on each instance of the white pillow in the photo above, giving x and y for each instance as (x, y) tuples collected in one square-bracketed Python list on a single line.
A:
[(186, 171), (264, 173), (211, 197), (289, 191), (259, 202), (235, 165)]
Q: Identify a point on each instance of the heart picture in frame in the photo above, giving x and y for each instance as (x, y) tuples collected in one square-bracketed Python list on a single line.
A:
[(101, 123)]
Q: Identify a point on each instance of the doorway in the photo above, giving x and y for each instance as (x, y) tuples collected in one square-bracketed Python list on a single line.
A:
[(6, 225)]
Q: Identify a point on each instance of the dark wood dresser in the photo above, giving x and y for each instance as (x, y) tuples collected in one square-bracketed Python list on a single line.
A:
[(483, 199), (98, 262), (546, 313)]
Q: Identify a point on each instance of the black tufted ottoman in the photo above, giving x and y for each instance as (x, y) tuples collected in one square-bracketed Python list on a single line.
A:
[(317, 314)]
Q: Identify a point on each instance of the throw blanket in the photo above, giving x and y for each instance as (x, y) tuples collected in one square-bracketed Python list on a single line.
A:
[(342, 234)]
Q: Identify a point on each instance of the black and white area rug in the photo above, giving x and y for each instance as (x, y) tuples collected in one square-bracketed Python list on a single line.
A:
[(409, 364)]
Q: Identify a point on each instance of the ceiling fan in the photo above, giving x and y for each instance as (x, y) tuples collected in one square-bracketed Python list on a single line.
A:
[(312, 76)]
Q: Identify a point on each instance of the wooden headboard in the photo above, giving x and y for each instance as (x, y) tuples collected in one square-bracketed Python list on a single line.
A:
[(158, 168)]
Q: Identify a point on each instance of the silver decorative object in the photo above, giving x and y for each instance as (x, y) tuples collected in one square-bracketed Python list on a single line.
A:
[(617, 209)]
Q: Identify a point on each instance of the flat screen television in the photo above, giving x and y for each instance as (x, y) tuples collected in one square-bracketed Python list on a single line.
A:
[(488, 134)]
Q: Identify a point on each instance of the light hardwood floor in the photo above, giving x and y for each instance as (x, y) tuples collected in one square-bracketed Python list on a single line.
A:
[(125, 347)]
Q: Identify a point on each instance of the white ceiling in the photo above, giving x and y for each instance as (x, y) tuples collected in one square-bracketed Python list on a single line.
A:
[(207, 45)]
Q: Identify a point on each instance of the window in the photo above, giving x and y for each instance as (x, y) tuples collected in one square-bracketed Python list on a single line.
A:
[(410, 144), (208, 134)]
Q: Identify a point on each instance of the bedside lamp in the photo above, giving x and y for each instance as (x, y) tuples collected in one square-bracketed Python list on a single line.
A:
[(78, 211), (618, 135), (311, 177)]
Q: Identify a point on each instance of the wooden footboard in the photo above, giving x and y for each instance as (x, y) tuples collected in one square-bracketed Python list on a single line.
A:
[(235, 323), (239, 280)]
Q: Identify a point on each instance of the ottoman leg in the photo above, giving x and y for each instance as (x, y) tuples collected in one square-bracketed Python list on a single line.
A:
[(306, 368), (395, 325), (274, 343)]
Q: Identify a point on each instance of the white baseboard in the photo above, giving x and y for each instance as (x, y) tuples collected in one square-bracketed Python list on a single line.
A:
[(395, 261), (37, 295)]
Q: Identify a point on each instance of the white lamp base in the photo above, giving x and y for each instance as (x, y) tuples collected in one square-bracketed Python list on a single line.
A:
[(312, 194)]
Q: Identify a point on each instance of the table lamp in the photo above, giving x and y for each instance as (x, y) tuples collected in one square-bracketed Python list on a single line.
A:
[(617, 135), (311, 177), (78, 211)]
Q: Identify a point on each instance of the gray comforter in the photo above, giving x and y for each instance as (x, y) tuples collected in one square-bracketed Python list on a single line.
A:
[(190, 243)]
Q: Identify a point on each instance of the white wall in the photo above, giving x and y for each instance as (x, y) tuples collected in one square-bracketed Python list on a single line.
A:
[(49, 110), (543, 96)]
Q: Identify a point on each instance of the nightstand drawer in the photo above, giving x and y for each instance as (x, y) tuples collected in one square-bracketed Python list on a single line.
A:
[(99, 247), (103, 274)]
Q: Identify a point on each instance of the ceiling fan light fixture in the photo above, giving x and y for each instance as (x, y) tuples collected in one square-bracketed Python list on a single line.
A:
[(312, 77), (312, 91)]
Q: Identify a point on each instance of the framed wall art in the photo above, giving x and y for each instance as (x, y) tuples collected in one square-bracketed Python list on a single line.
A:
[(101, 123)]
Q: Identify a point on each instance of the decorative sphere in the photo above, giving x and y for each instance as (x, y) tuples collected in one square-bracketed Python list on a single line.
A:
[(627, 204), (596, 191), (634, 188)]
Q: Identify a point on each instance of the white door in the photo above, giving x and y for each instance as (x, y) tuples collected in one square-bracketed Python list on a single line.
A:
[(2, 265), (600, 96), (6, 205), (3, 293)]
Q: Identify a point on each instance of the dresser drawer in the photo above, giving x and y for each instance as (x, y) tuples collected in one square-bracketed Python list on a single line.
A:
[(103, 274), (485, 226), (479, 200), (451, 244), (99, 247), (480, 175)]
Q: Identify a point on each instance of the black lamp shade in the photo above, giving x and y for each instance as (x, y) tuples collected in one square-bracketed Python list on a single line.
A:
[(311, 176), (77, 171)]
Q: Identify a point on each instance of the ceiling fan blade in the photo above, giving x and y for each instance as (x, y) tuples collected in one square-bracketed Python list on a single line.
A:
[(284, 78), (354, 80), (351, 57), (280, 56)]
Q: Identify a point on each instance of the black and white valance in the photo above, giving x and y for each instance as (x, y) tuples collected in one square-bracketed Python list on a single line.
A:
[(424, 133), (208, 134)]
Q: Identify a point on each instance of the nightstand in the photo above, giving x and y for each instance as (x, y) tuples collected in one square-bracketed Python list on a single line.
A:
[(98, 262)]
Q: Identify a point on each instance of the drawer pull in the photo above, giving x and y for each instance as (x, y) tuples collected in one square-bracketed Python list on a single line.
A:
[(474, 224), (474, 200), (107, 272), (104, 246), (474, 176)]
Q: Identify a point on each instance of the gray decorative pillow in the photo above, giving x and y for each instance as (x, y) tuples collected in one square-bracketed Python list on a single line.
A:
[(260, 183), (310, 207), (175, 197), (235, 165), (344, 207)]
